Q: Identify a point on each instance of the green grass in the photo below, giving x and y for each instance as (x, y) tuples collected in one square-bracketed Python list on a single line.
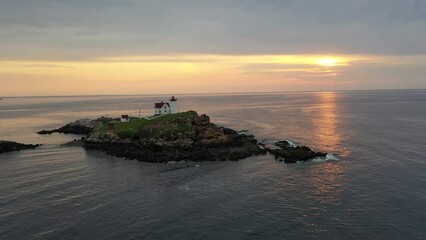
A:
[(165, 124), (132, 126)]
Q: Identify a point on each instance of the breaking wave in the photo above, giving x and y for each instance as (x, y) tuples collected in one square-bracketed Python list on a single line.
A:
[(328, 157)]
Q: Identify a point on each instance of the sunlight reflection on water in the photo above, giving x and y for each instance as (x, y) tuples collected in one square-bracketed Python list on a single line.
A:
[(326, 124)]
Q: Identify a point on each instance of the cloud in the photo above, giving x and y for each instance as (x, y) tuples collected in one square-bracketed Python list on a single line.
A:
[(81, 30), (46, 66)]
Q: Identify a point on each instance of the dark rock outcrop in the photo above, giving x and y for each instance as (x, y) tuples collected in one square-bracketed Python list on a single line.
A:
[(289, 153), (9, 146), (82, 126), (74, 143)]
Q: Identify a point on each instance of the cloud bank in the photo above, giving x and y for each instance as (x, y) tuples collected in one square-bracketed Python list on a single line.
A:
[(79, 29)]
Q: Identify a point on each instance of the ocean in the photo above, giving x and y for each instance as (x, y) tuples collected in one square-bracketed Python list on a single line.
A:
[(376, 189)]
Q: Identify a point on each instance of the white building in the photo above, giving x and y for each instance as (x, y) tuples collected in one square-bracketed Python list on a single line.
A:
[(169, 107), (125, 118)]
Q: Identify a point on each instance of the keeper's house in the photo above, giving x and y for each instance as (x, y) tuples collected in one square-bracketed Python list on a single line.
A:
[(169, 107)]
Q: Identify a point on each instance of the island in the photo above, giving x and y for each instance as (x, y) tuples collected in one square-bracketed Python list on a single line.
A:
[(173, 137), (177, 137)]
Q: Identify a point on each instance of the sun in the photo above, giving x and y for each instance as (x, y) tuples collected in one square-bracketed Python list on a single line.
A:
[(328, 62)]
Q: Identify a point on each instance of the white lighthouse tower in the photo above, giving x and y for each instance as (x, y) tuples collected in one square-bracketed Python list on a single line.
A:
[(173, 104)]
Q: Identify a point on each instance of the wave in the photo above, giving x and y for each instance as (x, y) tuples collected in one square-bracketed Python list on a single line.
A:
[(328, 157), (291, 143), (273, 141)]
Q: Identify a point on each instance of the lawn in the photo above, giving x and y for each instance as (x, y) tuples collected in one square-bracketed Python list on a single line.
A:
[(167, 123)]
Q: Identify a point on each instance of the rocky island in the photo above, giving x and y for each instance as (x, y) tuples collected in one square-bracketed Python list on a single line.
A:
[(176, 137)]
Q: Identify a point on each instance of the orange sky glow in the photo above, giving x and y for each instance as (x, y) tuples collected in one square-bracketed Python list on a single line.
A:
[(193, 74), (102, 47), (176, 73)]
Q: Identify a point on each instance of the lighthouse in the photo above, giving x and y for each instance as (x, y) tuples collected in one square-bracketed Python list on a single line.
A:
[(163, 108), (173, 104)]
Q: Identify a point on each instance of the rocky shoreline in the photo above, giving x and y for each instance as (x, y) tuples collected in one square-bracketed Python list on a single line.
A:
[(9, 146), (177, 137)]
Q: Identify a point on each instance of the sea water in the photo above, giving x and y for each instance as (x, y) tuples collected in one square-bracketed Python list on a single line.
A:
[(373, 187)]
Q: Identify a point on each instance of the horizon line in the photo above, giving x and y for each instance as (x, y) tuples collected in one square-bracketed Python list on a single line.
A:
[(214, 93)]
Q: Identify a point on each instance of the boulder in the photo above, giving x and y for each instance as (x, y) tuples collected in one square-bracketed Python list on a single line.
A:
[(202, 120), (287, 152), (284, 144)]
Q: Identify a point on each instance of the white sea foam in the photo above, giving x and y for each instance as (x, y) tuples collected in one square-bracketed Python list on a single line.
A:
[(291, 143), (273, 141), (328, 157), (268, 141), (244, 132), (185, 188)]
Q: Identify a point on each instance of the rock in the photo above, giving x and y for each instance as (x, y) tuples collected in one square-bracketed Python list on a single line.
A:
[(320, 154), (228, 131), (9, 146), (212, 136), (202, 120), (245, 132), (183, 143), (74, 143), (102, 137), (81, 126), (290, 153), (283, 144), (45, 132)]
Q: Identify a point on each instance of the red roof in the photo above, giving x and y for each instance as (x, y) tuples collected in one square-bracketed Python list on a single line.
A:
[(124, 116), (161, 104)]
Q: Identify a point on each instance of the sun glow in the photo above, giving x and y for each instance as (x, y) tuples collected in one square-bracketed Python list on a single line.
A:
[(327, 62), (331, 62)]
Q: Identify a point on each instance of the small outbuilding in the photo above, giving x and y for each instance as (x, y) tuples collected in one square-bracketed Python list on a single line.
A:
[(125, 118)]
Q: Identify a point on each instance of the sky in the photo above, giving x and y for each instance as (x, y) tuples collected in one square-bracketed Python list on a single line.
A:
[(80, 47)]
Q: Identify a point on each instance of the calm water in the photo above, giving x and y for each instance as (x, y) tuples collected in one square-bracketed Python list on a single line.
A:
[(377, 190)]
